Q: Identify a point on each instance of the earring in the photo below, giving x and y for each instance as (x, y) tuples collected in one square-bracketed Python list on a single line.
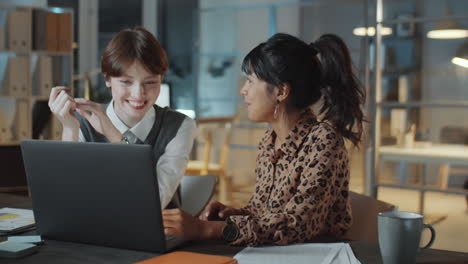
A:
[(275, 113)]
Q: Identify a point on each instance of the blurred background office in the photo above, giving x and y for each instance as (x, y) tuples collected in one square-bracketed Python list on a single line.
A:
[(411, 56)]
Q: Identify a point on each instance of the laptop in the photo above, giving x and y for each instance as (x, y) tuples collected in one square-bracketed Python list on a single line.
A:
[(96, 193)]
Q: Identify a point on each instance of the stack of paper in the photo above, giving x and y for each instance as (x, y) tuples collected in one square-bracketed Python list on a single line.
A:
[(345, 255), (15, 220), (326, 253), (10, 249), (20, 246)]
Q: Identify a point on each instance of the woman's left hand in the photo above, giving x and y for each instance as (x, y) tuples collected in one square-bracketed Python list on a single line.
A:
[(97, 117)]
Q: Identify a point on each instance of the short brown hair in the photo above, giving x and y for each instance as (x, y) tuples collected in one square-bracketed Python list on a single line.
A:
[(130, 45)]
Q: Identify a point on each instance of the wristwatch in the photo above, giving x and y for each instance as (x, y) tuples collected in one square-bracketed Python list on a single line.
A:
[(230, 231)]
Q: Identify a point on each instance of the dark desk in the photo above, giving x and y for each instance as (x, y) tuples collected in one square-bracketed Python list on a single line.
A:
[(71, 253)]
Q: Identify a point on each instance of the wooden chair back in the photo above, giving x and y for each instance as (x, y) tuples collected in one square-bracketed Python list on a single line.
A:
[(364, 212)]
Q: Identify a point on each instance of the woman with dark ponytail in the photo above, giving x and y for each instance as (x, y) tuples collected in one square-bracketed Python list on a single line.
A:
[(302, 167)]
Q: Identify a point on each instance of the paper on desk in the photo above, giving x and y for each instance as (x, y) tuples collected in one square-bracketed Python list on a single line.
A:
[(345, 255), (324, 253), (12, 219)]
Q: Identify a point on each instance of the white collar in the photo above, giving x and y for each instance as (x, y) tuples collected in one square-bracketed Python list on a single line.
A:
[(140, 130)]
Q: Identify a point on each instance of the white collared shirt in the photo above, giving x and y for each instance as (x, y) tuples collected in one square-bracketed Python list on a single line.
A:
[(173, 162)]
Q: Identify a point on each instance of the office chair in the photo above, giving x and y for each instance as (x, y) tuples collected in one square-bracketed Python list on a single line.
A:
[(196, 192), (364, 212)]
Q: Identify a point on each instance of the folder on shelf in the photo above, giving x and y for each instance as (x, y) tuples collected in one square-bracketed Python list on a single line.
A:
[(19, 31), (17, 79), (11, 82), (5, 134), (4, 75), (7, 116), (2, 39), (64, 32), (57, 79), (398, 122), (21, 126), (51, 31), (44, 75), (403, 88), (39, 32), (5, 130)]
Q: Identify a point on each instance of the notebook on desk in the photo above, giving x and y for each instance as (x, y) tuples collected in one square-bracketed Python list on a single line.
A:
[(96, 193)]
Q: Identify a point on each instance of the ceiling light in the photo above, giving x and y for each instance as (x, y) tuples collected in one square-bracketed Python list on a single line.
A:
[(447, 29), (461, 57), (448, 33), (361, 31)]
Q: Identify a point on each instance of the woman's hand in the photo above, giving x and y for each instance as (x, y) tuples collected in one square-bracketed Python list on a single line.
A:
[(181, 224), (218, 211), (97, 117), (62, 105)]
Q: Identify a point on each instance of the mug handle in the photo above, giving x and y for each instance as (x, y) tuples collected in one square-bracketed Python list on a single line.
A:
[(433, 234)]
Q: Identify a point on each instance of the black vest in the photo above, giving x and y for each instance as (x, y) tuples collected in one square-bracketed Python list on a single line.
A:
[(167, 123)]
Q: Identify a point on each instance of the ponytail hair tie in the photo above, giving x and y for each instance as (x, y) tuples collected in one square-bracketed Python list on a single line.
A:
[(314, 48)]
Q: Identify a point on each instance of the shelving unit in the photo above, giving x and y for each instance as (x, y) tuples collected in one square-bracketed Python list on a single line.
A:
[(35, 55), (419, 153)]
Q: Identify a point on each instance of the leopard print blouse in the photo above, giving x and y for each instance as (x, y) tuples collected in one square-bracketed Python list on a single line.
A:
[(301, 190)]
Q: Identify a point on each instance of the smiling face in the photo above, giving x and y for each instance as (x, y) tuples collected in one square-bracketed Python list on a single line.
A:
[(259, 102), (134, 93)]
